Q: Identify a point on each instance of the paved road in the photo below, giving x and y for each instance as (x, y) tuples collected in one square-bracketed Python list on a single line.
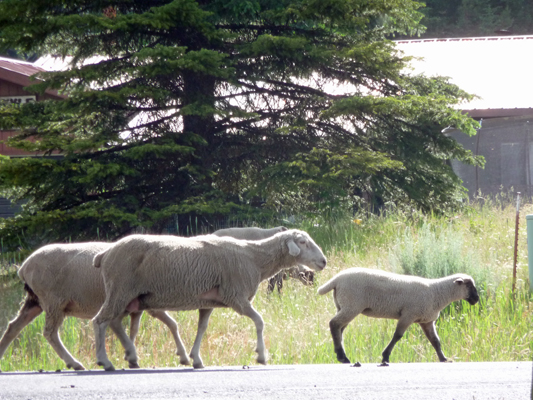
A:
[(435, 381)]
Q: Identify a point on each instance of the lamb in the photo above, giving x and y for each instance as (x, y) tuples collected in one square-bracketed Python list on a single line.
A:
[(408, 299), (60, 280), (300, 272), (146, 272)]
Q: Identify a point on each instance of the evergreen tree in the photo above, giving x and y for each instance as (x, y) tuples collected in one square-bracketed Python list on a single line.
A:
[(195, 108)]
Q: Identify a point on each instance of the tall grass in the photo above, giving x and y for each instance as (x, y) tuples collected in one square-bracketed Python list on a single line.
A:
[(479, 242)]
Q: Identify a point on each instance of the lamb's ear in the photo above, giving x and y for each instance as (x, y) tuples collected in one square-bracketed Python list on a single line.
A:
[(459, 281), (294, 250)]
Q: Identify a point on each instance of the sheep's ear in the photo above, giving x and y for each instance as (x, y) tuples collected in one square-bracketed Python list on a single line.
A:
[(459, 281), (294, 250)]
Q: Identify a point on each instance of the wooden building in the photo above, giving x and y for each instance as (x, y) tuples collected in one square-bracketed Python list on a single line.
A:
[(15, 76)]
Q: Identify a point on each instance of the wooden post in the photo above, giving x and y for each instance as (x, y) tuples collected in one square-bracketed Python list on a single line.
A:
[(516, 239)]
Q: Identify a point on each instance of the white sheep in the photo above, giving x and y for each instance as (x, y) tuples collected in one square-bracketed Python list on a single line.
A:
[(300, 272), (249, 233), (61, 281), (408, 299), (144, 272)]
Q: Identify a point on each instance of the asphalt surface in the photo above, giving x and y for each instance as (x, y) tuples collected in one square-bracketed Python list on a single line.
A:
[(451, 381)]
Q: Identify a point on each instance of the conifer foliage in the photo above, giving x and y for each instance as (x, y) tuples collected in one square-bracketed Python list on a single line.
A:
[(201, 108)]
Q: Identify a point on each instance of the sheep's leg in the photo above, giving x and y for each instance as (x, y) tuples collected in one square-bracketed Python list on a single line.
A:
[(310, 277), (305, 278), (99, 338), (431, 333), (303, 275), (111, 309), (29, 311), (275, 281), (203, 321), (250, 312), (173, 326), (271, 284), (135, 323), (53, 321), (401, 327), (280, 277), (337, 325), (129, 347)]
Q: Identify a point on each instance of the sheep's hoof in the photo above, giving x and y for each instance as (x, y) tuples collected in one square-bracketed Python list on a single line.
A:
[(76, 367), (133, 365), (106, 368), (383, 364), (184, 359), (261, 359), (357, 364), (341, 357), (198, 366)]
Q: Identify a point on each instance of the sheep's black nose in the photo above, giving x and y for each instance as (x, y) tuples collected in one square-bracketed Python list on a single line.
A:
[(473, 298)]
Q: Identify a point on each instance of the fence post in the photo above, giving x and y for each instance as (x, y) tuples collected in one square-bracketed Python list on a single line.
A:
[(529, 221), (516, 239)]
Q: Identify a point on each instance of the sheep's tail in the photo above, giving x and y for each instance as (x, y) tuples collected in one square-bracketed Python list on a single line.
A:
[(20, 272), (97, 260), (328, 286)]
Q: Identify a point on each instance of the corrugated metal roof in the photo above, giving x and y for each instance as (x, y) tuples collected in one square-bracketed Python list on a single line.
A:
[(498, 112), (497, 69), (468, 39)]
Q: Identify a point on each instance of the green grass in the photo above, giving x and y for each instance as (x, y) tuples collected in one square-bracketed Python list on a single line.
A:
[(479, 242)]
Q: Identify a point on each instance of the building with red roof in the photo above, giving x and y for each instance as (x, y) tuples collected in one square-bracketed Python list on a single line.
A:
[(15, 76)]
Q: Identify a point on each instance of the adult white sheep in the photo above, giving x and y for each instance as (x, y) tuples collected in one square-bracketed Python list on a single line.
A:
[(143, 272), (60, 280), (249, 233), (300, 272), (408, 299)]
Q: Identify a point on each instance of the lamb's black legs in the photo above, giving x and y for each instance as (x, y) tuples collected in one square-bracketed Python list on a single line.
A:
[(337, 325), (398, 334), (431, 333), (336, 334)]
